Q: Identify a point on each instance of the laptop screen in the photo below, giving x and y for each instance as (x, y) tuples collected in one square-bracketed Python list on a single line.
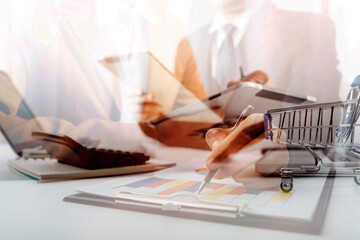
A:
[(17, 122)]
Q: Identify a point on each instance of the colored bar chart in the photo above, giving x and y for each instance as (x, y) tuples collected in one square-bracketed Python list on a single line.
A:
[(213, 192)]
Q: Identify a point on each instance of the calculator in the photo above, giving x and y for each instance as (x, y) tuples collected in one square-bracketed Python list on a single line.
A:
[(67, 150)]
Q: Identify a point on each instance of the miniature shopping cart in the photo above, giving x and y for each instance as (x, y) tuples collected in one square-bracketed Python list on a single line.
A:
[(319, 128)]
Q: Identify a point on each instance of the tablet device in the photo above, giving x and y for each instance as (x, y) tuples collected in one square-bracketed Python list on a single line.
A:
[(235, 99)]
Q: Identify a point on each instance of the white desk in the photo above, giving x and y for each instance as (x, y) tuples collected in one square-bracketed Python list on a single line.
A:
[(29, 210)]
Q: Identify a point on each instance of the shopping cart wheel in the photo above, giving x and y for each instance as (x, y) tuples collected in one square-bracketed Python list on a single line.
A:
[(286, 184), (357, 179)]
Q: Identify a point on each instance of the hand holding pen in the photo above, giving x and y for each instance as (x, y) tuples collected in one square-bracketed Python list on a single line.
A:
[(259, 77), (222, 150)]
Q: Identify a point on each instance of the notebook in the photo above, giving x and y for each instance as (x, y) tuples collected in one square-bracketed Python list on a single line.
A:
[(49, 169)]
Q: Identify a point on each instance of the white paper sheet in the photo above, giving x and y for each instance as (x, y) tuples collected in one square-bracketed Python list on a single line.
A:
[(300, 204)]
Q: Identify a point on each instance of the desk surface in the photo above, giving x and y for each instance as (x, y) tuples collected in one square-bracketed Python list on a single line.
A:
[(30, 210)]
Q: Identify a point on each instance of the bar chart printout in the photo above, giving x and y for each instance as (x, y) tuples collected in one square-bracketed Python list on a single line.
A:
[(216, 192)]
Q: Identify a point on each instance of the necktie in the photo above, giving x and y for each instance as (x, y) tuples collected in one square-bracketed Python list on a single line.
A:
[(227, 62)]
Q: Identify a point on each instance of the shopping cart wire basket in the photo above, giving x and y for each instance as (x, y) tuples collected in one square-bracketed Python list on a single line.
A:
[(314, 126)]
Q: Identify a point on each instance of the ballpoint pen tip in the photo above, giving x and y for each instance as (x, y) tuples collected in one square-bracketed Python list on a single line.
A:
[(201, 187)]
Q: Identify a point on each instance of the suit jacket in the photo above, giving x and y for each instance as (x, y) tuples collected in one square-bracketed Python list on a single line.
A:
[(296, 49)]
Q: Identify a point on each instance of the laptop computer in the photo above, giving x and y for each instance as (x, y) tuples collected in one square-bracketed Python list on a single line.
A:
[(15, 112), (26, 136)]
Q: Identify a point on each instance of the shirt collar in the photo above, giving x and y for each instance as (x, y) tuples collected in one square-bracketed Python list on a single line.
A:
[(240, 22), (220, 21)]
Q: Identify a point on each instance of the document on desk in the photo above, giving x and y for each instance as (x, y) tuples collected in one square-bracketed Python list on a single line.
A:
[(179, 184), (47, 170)]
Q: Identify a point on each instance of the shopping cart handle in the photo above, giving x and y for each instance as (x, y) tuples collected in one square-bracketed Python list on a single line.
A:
[(267, 126), (356, 82)]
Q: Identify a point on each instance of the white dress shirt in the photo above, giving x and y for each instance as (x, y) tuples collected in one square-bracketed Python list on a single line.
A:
[(296, 50), (218, 27)]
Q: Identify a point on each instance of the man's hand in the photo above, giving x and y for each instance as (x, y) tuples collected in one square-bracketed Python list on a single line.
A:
[(259, 77), (247, 137), (179, 131), (149, 109), (225, 142), (141, 107)]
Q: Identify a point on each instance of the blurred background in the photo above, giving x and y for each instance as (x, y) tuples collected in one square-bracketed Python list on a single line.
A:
[(16, 18), (196, 13)]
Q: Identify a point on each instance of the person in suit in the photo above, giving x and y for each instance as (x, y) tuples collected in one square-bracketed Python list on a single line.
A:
[(295, 51)]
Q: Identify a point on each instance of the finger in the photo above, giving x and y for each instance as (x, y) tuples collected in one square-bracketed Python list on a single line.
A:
[(269, 84), (151, 111), (150, 107), (215, 163), (144, 107), (248, 130), (258, 77), (231, 166), (144, 112), (213, 138), (139, 99), (216, 135), (232, 83), (147, 97), (222, 159), (222, 173)]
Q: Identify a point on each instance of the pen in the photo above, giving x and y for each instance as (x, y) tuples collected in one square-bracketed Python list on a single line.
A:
[(211, 173), (242, 76)]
